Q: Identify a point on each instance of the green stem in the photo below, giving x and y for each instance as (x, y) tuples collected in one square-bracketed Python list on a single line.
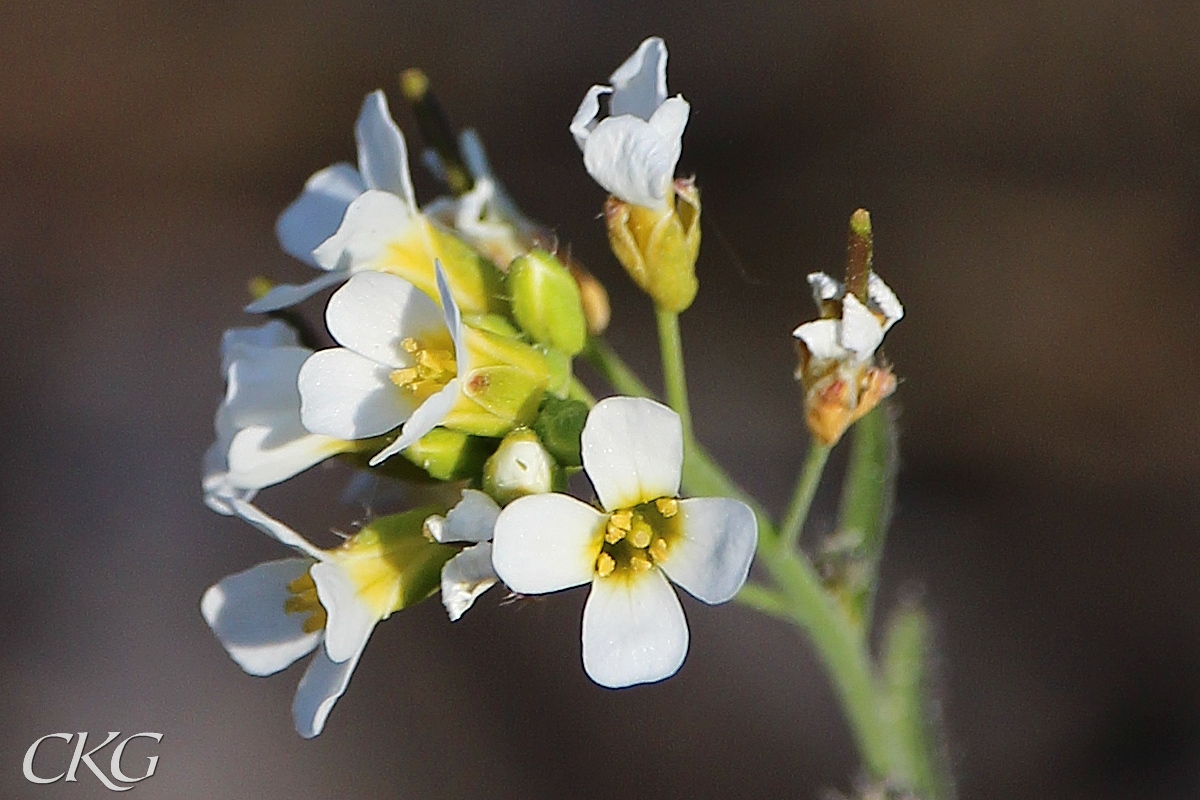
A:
[(670, 346), (806, 488), (577, 391), (841, 649)]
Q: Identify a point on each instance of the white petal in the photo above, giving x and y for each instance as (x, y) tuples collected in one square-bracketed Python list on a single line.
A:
[(880, 294), (632, 451), (237, 342), (424, 418), (219, 492), (631, 160), (472, 520), (262, 386), (824, 287), (246, 612), (323, 683), (669, 120), (634, 630), (713, 557), (821, 338), (276, 529), (372, 220), (316, 213), (546, 542), (860, 331), (284, 295), (585, 116), (347, 396), (382, 155), (451, 316), (260, 456), (465, 577), (640, 83), (350, 619), (374, 311)]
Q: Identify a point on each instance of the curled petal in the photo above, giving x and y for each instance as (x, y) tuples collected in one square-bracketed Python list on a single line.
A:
[(348, 396), (632, 451), (382, 154), (350, 619), (246, 612), (824, 287), (640, 83), (881, 295), (860, 330), (821, 338), (585, 117), (316, 213), (634, 630), (472, 520), (425, 418), (276, 529), (323, 683), (712, 558), (465, 577), (288, 294), (632, 160), (546, 542), (374, 311)]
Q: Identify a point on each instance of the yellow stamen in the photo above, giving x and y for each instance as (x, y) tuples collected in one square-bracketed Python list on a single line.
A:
[(303, 600), (658, 550), (667, 506), (613, 534), (639, 564), (623, 519), (605, 565)]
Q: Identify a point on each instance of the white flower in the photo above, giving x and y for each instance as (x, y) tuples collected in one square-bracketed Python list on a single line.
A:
[(398, 363), (633, 151), (858, 331), (469, 574), (316, 215), (260, 438), (634, 629)]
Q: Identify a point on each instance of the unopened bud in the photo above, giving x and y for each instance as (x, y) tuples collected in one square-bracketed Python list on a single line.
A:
[(560, 425), (658, 247), (546, 302), (448, 455), (521, 466), (594, 297)]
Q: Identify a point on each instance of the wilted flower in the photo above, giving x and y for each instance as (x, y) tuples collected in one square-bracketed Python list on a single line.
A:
[(634, 630), (260, 438), (327, 600)]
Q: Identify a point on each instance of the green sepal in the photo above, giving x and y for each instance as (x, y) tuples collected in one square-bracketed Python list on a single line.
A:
[(546, 302), (506, 391), (559, 425), (400, 540), (449, 455)]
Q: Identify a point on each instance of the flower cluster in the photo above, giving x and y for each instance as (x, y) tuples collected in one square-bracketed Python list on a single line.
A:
[(455, 333)]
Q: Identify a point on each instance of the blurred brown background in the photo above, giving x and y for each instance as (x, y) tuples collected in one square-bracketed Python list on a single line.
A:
[(1032, 173)]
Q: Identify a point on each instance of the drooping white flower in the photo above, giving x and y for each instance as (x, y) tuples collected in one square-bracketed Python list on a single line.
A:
[(260, 438), (399, 362), (633, 151), (316, 215), (469, 574), (326, 600), (634, 630)]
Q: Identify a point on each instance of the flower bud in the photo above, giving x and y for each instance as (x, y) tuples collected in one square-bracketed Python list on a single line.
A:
[(559, 425), (658, 246), (521, 466), (393, 561), (593, 296), (546, 302), (448, 455)]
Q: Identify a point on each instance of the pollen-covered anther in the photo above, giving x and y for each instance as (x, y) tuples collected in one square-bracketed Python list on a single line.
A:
[(432, 369), (667, 506), (639, 564), (618, 526), (658, 550), (303, 600), (605, 565)]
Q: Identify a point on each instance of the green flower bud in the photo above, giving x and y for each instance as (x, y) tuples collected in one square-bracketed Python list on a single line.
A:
[(448, 455), (392, 555), (559, 425), (546, 302), (521, 466), (658, 247)]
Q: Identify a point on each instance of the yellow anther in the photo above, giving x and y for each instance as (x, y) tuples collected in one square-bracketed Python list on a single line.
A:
[(622, 519), (612, 533), (639, 564), (410, 345), (641, 534), (667, 506), (658, 550), (303, 600), (605, 565), (405, 377)]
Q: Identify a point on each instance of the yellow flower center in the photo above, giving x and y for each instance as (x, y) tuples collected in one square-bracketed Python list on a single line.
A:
[(637, 538), (303, 600), (433, 366)]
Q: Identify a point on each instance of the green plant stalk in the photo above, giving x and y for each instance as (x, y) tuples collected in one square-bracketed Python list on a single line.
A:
[(670, 347), (802, 496), (577, 391), (866, 503), (916, 755)]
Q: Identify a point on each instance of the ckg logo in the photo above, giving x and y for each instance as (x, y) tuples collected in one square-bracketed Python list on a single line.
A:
[(85, 758)]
